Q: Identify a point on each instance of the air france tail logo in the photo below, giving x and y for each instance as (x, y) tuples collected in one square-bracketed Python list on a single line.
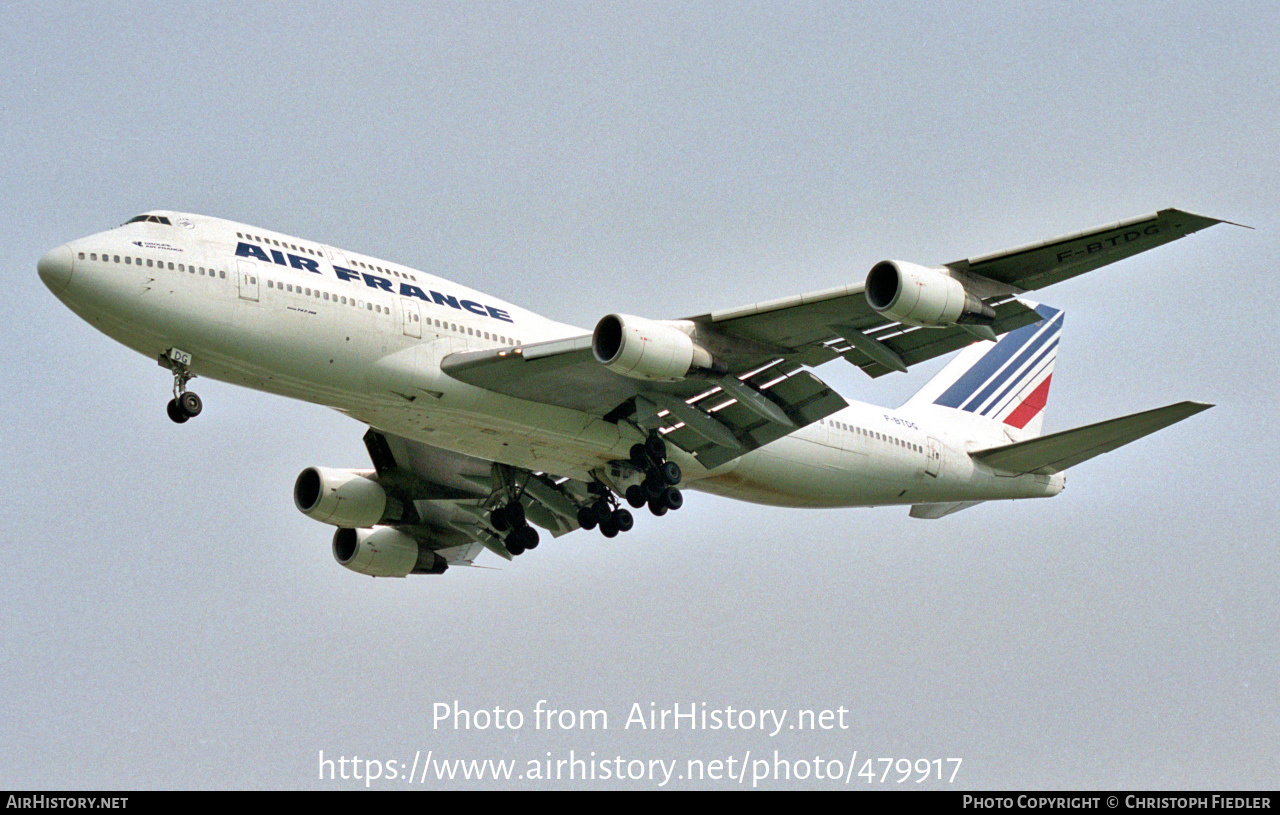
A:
[(373, 281), (1010, 383)]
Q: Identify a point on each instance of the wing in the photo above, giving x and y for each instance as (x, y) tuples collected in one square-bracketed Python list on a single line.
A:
[(447, 499), (716, 418), (814, 328), (757, 391)]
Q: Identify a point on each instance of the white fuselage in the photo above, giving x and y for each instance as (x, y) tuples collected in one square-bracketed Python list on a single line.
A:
[(364, 336)]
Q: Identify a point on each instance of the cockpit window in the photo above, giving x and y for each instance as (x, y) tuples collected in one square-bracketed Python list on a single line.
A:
[(155, 219)]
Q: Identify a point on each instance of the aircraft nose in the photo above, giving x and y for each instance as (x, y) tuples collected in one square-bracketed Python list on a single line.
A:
[(55, 269)]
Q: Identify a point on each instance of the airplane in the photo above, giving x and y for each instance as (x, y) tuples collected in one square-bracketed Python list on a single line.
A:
[(487, 422)]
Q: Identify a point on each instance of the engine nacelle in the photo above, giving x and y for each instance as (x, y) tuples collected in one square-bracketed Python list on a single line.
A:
[(917, 295), (340, 497), (646, 349), (384, 552)]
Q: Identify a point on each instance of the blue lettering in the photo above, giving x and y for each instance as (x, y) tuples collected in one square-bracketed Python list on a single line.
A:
[(444, 300), (279, 257), (346, 274), (410, 290), (375, 282), (305, 264), (499, 314), (474, 307), (248, 250)]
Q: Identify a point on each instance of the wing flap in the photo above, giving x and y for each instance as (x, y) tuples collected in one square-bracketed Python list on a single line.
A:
[(802, 397), (1058, 451), (912, 344)]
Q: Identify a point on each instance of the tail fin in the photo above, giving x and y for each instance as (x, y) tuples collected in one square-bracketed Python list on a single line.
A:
[(1005, 381)]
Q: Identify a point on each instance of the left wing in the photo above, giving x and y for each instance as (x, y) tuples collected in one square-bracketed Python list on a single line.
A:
[(744, 385)]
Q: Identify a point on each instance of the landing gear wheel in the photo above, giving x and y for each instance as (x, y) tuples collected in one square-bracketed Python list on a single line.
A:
[(587, 518), (175, 412), (640, 456), (657, 507), (672, 498), (636, 496), (609, 529), (622, 520), (656, 447), (528, 536), (515, 514), (602, 511), (190, 404), (670, 472), (514, 543)]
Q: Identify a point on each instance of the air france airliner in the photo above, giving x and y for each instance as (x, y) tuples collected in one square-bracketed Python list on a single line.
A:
[(487, 422)]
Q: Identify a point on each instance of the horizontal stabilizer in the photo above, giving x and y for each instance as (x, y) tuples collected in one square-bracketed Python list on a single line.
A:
[(1057, 452)]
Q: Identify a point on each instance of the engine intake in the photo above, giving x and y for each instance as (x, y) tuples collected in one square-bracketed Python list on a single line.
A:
[(917, 295), (384, 552), (340, 497), (646, 349)]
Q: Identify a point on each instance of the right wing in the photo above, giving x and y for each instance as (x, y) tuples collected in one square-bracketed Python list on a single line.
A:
[(448, 497)]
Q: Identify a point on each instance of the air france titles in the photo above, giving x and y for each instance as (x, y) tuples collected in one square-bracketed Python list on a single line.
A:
[(373, 281)]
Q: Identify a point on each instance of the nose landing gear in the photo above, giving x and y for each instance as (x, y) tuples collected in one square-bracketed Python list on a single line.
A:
[(184, 404)]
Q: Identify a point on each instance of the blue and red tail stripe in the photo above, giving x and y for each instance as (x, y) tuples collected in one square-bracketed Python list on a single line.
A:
[(1011, 381)]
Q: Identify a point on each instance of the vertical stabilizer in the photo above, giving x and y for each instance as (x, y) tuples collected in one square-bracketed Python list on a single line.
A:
[(1006, 381)]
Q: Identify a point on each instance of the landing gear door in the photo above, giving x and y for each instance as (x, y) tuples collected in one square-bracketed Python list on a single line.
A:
[(249, 282), (411, 317)]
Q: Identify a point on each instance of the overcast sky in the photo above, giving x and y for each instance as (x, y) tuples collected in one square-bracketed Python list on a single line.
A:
[(170, 620)]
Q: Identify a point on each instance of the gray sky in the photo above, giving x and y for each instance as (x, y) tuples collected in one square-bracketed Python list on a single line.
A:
[(170, 620)]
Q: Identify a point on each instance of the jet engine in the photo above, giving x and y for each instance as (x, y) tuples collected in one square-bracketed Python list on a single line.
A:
[(340, 497), (384, 552), (646, 349), (917, 295)]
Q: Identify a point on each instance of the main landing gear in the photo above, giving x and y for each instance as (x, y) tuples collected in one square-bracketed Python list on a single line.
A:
[(184, 404), (658, 489), (605, 513), (517, 535)]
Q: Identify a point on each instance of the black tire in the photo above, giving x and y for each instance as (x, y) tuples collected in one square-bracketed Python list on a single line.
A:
[(657, 448), (514, 543), (587, 518), (175, 412), (640, 456), (670, 472), (515, 514), (529, 537), (608, 529), (623, 520), (602, 510), (190, 404), (498, 519), (672, 498), (657, 507), (636, 496), (653, 487)]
